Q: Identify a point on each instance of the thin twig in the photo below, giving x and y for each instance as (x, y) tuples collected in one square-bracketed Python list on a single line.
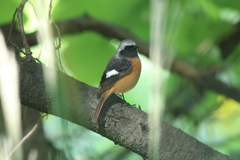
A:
[(26, 136), (10, 33), (16, 47), (20, 22), (11, 27), (50, 11), (23, 139), (34, 10), (58, 36), (58, 41)]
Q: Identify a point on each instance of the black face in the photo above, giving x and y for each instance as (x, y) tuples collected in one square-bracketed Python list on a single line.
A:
[(129, 52)]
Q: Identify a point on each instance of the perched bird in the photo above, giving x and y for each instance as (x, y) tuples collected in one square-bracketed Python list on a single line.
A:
[(121, 74)]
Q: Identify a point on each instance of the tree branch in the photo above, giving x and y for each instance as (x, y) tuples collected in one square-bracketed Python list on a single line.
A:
[(230, 42), (182, 68), (120, 122)]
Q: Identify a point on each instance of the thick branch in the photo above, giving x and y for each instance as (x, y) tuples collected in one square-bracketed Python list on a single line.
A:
[(184, 69), (123, 124)]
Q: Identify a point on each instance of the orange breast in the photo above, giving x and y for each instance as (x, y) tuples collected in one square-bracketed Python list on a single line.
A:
[(130, 80)]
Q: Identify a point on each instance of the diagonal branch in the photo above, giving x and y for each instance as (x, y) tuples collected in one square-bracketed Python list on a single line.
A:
[(123, 124)]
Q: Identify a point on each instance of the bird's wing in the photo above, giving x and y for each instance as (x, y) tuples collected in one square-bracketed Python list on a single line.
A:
[(115, 70)]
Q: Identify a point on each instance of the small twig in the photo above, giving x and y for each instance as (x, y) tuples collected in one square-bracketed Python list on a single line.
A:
[(38, 60), (23, 139), (58, 40), (11, 27), (50, 10), (20, 22), (58, 36), (55, 25), (26, 136), (34, 10), (16, 47)]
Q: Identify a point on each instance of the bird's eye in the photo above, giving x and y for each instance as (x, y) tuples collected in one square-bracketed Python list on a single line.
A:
[(130, 47)]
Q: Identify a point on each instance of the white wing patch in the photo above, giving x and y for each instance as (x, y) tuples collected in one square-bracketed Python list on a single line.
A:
[(111, 73)]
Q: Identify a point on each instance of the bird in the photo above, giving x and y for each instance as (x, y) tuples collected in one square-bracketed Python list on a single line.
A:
[(121, 74)]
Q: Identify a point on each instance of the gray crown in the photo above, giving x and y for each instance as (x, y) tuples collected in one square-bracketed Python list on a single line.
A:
[(124, 43)]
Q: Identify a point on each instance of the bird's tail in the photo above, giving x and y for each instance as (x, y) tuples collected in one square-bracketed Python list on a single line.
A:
[(102, 99)]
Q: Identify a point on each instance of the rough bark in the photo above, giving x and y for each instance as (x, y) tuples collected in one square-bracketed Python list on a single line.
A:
[(120, 122)]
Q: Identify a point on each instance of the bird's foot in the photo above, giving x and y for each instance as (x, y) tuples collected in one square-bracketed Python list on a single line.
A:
[(139, 107), (121, 96)]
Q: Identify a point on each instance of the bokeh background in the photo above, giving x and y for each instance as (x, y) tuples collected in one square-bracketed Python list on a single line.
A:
[(195, 31)]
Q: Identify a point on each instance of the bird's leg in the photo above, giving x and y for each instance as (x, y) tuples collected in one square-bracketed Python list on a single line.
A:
[(122, 96), (139, 107)]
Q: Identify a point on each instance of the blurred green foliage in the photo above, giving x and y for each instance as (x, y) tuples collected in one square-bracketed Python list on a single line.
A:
[(193, 30)]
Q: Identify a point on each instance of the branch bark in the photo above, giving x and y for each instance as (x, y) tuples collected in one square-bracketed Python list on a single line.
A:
[(85, 23), (120, 122)]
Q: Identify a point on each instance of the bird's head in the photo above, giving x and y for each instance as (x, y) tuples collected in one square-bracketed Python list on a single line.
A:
[(128, 49)]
